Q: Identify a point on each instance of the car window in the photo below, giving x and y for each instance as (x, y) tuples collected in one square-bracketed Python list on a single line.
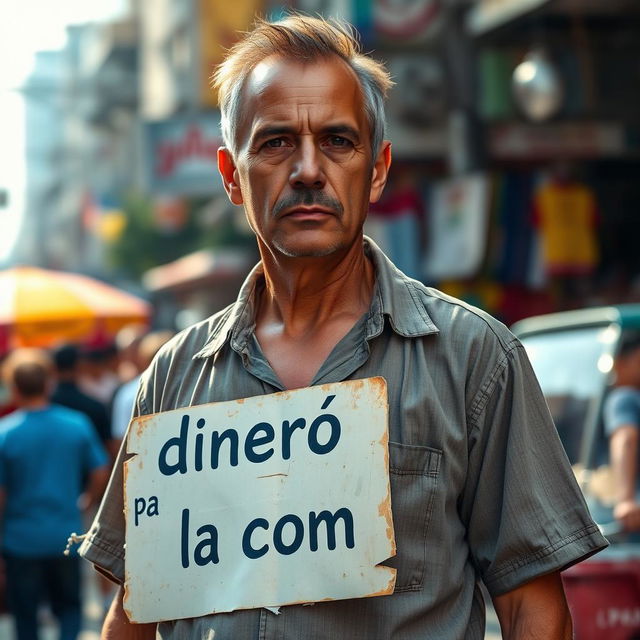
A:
[(572, 366)]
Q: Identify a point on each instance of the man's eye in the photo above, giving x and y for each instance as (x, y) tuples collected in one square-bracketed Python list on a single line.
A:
[(275, 143), (339, 141)]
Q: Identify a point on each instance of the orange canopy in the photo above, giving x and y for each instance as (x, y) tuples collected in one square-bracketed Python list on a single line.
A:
[(40, 307)]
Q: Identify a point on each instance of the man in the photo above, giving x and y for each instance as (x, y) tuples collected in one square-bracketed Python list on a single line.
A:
[(480, 486), (46, 452), (622, 424), (68, 393), (125, 397)]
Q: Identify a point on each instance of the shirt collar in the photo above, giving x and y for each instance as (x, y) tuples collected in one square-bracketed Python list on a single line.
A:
[(395, 296), (399, 298)]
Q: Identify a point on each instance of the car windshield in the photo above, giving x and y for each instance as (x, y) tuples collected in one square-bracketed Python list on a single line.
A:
[(571, 365)]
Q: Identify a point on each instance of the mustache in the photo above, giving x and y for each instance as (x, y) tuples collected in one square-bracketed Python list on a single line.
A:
[(307, 198)]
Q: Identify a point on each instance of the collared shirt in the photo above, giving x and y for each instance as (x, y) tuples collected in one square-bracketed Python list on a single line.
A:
[(480, 485)]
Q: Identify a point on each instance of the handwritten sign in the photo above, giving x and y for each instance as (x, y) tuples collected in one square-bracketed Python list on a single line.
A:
[(261, 502)]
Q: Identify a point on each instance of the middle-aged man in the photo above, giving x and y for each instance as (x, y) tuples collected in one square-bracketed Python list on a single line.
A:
[(305, 155)]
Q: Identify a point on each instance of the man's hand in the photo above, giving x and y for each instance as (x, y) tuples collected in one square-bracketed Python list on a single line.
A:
[(117, 626), (535, 611)]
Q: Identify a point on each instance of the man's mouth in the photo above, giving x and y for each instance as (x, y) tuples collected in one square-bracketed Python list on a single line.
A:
[(308, 213)]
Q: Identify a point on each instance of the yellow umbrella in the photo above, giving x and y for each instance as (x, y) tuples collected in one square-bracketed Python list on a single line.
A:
[(39, 307)]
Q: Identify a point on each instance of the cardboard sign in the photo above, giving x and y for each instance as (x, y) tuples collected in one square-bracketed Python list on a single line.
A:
[(261, 502)]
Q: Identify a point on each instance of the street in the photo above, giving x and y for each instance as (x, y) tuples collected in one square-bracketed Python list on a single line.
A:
[(93, 617)]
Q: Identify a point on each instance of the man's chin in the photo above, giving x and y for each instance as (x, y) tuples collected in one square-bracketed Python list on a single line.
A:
[(309, 246), (295, 251)]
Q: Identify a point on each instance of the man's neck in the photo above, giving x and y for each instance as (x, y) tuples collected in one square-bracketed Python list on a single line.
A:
[(33, 404), (302, 294)]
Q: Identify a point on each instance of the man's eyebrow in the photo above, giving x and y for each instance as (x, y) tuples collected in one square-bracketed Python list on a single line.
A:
[(278, 130), (338, 129), (272, 130)]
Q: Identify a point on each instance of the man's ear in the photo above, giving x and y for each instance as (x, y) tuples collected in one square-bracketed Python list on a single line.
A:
[(229, 174), (380, 171)]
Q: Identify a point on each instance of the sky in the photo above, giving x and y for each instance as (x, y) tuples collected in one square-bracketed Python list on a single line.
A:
[(30, 26)]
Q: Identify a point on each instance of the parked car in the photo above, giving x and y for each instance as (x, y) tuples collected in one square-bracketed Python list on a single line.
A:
[(572, 354)]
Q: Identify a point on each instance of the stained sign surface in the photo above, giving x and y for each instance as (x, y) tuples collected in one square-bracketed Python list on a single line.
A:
[(260, 502)]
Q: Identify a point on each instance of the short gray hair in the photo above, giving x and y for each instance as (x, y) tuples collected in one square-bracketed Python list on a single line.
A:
[(306, 39)]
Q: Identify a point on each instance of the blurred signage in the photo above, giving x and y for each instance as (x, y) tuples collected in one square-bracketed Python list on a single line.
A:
[(407, 20), (416, 108), (221, 22), (490, 14), (578, 140), (457, 229), (182, 155)]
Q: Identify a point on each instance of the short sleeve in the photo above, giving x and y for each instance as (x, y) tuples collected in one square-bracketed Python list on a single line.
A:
[(622, 407), (524, 512)]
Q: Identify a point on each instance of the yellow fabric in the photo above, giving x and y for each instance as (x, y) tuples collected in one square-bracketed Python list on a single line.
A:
[(566, 215)]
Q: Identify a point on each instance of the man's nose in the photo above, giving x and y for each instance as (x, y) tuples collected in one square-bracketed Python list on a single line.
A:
[(307, 171)]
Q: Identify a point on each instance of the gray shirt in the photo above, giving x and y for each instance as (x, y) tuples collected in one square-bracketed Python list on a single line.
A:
[(481, 488)]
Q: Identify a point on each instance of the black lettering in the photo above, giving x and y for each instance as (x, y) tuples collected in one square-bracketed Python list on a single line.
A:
[(211, 544), (217, 439), (139, 505), (184, 539), (152, 509), (247, 549), (287, 430), (253, 441), (181, 443), (199, 443), (278, 543), (334, 437), (330, 520)]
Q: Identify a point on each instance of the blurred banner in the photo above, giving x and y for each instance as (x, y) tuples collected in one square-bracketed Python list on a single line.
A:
[(458, 230), (489, 14), (181, 155), (220, 21)]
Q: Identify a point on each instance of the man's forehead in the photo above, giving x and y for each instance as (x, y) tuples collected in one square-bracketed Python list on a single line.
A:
[(279, 69), (277, 81)]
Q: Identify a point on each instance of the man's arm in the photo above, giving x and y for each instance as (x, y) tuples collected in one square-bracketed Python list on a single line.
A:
[(535, 611), (117, 626), (623, 450)]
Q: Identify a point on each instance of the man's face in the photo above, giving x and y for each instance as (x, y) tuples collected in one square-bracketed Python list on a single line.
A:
[(303, 168)]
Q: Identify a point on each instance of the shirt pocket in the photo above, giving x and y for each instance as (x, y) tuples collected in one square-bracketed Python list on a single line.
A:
[(413, 472)]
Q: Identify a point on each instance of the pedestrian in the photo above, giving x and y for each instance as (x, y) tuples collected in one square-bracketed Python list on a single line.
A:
[(68, 393), (622, 425), (98, 373), (46, 454), (125, 396), (305, 155)]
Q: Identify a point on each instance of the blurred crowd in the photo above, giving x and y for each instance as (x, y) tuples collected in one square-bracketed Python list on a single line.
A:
[(64, 412)]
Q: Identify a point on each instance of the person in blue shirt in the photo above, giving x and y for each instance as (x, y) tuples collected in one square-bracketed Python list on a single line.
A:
[(52, 466), (622, 425)]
